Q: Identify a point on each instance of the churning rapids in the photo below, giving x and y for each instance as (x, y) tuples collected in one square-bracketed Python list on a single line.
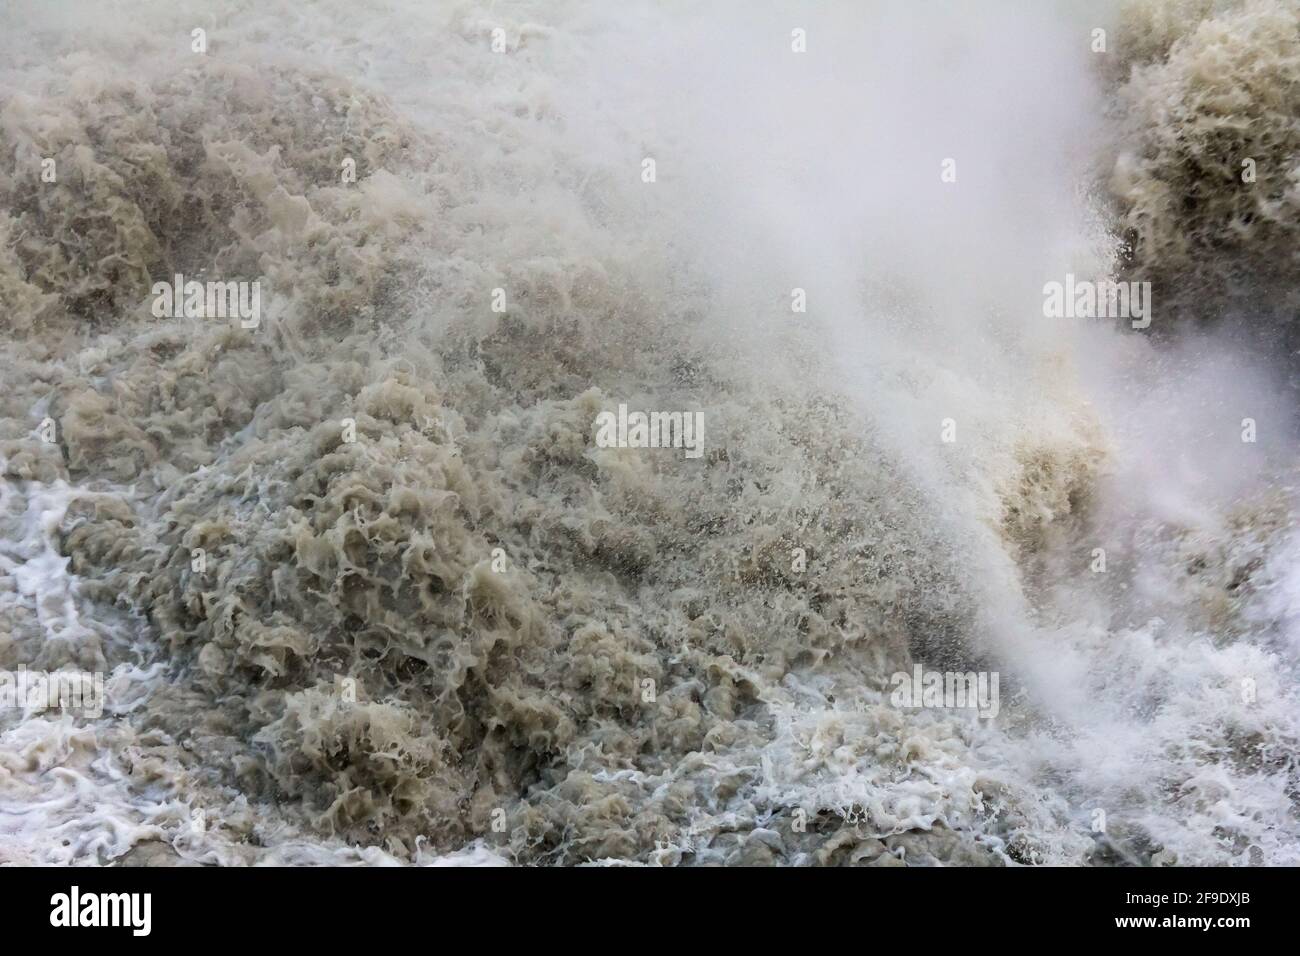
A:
[(359, 581)]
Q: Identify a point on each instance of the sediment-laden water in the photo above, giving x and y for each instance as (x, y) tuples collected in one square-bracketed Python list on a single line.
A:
[(362, 585)]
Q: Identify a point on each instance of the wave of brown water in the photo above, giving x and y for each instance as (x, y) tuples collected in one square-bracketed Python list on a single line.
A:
[(362, 584)]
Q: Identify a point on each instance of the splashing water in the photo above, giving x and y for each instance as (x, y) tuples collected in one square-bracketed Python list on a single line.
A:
[(472, 635)]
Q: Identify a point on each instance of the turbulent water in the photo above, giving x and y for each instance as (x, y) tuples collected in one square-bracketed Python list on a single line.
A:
[(363, 586)]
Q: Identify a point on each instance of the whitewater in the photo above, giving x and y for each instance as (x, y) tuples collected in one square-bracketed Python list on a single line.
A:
[(367, 583)]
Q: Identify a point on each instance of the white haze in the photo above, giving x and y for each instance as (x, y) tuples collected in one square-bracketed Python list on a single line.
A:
[(822, 171)]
